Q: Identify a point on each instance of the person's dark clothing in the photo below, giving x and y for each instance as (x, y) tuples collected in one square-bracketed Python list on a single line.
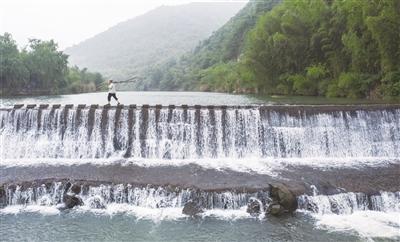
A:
[(112, 95)]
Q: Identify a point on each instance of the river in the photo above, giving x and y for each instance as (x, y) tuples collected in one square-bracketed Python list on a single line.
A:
[(253, 138)]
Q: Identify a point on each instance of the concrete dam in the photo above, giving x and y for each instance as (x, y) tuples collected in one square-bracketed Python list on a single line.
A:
[(322, 159)]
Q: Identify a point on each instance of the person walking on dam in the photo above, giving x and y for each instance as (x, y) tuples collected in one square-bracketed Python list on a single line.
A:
[(112, 92)]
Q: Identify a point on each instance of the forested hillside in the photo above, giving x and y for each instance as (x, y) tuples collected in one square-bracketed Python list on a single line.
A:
[(41, 68), (223, 46), (165, 32), (301, 47)]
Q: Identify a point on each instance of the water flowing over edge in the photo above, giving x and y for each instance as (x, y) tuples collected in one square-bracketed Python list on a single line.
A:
[(173, 135), (375, 215), (354, 212)]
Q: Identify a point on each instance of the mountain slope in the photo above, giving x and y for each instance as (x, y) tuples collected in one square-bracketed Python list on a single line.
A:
[(227, 43), (224, 45), (160, 34), (305, 47)]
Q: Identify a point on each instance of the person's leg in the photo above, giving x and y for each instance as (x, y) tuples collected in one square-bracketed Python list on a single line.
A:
[(115, 97), (109, 98)]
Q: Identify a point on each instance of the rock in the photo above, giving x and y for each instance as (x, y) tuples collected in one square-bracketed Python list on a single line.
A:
[(254, 206), (276, 209), (283, 200), (71, 201), (66, 187), (3, 197), (76, 189), (281, 195), (192, 208)]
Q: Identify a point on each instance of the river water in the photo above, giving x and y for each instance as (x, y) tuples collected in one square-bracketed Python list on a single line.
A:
[(322, 140), (177, 98)]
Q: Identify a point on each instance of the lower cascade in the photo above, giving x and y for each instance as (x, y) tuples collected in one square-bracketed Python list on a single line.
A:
[(100, 196), (347, 203)]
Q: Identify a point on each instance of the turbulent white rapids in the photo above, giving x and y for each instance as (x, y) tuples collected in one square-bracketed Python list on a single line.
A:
[(151, 197), (347, 203), (189, 133), (369, 216), (148, 202)]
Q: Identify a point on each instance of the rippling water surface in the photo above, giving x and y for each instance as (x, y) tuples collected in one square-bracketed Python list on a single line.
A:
[(75, 226)]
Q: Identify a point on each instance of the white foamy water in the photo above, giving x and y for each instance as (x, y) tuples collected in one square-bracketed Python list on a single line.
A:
[(228, 214), (141, 213), (195, 134), (356, 213), (17, 209), (364, 223)]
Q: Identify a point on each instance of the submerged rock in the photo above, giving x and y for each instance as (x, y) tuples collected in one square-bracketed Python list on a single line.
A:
[(72, 201), (192, 208), (283, 200)]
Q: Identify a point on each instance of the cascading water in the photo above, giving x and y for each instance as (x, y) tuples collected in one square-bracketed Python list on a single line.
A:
[(347, 203), (238, 135), (366, 215), (196, 133), (150, 197)]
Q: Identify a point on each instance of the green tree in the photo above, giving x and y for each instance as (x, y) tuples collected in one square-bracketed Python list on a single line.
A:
[(47, 66), (13, 74), (41, 68)]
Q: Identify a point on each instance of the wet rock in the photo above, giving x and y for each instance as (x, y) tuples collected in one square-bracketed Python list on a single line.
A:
[(66, 187), (3, 198), (76, 189), (71, 201), (276, 209), (192, 208), (254, 206), (282, 196)]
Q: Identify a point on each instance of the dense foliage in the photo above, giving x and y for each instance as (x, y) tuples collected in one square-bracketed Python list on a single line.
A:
[(342, 48), (41, 69)]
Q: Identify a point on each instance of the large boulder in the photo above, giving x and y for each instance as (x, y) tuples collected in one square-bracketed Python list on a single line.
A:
[(72, 200), (192, 208), (282, 196), (276, 210)]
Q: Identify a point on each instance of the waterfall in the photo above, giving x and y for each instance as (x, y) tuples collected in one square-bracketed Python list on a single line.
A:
[(347, 203), (99, 196), (195, 133)]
